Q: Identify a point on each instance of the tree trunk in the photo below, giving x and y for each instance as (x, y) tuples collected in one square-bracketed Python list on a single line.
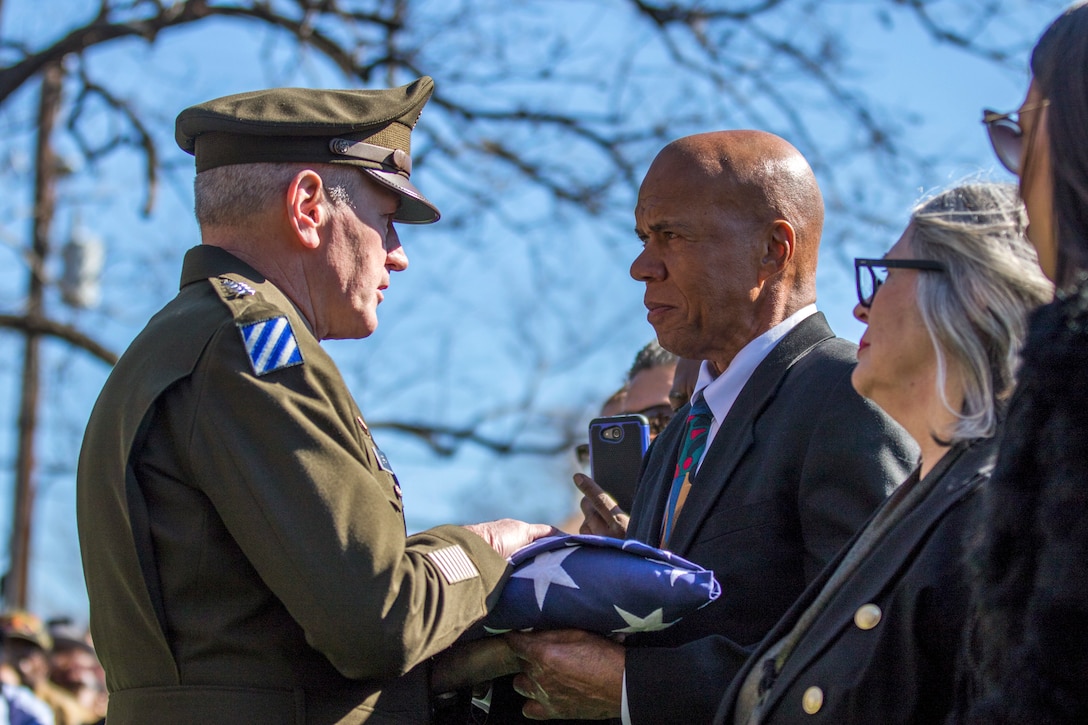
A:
[(17, 580)]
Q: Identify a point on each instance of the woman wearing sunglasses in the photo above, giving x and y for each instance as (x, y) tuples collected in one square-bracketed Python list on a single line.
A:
[(1027, 656), (875, 638)]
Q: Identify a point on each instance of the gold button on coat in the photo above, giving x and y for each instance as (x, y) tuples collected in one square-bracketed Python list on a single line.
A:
[(867, 616), (812, 700)]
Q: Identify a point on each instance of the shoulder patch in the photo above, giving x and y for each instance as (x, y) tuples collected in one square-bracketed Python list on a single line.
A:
[(454, 564), (270, 344)]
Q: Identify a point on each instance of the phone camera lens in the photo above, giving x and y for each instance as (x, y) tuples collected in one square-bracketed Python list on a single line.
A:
[(612, 434)]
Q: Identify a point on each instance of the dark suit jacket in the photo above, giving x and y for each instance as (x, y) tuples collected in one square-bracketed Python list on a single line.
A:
[(797, 466), (899, 669)]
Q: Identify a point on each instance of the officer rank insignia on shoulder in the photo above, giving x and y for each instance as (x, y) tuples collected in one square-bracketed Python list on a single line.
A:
[(271, 345), (233, 289)]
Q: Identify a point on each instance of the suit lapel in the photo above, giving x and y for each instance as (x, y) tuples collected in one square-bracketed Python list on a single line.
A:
[(735, 435), (885, 562)]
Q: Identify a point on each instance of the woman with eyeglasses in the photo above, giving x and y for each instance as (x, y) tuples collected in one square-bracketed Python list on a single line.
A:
[(874, 639), (1027, 653)]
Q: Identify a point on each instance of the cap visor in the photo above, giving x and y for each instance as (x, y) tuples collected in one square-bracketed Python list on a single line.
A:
[(414, 207)]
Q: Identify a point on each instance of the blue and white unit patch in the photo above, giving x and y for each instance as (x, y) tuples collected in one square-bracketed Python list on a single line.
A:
[(271, 345)]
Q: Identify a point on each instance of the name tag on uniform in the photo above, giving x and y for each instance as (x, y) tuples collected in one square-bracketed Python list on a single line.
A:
[(383, 464), (383, 460)]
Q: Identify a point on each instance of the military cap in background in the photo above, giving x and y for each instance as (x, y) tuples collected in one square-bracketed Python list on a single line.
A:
[(18, 624), (370, 129)]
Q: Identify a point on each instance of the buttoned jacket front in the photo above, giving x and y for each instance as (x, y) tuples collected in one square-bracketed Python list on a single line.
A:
[(884, 648)]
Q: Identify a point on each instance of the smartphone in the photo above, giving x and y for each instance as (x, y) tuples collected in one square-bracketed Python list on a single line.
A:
[(617, 445)]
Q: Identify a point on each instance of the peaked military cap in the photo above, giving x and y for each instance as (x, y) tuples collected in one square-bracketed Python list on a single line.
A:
[(368, 128)]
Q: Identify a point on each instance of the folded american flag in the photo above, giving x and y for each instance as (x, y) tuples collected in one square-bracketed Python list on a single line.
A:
[(599, 584)]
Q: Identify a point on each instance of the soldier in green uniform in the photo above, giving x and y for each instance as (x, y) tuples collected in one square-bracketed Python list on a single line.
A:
[(242, 534)]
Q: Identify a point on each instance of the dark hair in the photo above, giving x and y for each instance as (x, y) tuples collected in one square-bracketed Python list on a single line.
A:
[(649, 357), (1059, 65)]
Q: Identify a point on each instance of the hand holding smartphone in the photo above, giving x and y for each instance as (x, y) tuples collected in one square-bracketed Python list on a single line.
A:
[(601, 514)]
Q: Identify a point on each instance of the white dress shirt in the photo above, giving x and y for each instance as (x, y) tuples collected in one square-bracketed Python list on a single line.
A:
[(722, 391)]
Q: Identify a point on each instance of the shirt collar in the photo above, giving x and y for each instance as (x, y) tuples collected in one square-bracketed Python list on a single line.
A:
[(722, 391)]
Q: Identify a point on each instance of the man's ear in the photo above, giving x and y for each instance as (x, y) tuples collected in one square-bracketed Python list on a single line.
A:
[(779, 249), (306, 208)]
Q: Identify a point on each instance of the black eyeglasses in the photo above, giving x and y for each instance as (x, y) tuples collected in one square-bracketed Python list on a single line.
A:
[(581, 454), (1007, 136), (870, 279)]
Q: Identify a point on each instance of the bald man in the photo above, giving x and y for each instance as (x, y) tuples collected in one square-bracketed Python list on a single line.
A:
[(794, 461)]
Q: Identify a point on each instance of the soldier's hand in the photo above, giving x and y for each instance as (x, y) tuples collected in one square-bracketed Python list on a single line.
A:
[(603, 516), (508, 535), (471, 663)]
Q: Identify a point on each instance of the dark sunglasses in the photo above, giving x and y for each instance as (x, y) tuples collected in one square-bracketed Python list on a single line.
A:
[(869, 279), (1007, 136)]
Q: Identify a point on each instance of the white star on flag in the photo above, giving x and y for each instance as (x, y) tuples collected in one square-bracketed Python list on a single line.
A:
[(545, 570), (650, 623), (680, 575)]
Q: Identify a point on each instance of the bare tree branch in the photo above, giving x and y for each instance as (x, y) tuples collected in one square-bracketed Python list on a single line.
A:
[(446, 440), (145, 143), (507, 113), (61, 331)]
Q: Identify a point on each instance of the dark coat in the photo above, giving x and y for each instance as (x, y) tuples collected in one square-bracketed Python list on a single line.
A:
[(242, 534), (797, 466), (1027, 660), (884, 648)]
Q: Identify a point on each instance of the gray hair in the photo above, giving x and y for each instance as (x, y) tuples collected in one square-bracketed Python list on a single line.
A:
[(976, 313), (231, 195)]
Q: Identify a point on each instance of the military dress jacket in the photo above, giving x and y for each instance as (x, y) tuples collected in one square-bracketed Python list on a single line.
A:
[(884, 648), (242, 535), (797, 466)]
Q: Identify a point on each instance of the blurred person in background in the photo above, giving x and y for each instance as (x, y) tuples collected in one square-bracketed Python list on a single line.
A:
[(18, 705), (27, 648), (649, 383), (683, 382), (74, 667)]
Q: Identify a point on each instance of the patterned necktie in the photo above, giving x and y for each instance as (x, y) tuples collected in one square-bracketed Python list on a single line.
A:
[(695, 436)]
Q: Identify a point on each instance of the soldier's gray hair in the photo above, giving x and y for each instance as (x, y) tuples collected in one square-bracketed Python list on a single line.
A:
[(976, 313), (230, 195)]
